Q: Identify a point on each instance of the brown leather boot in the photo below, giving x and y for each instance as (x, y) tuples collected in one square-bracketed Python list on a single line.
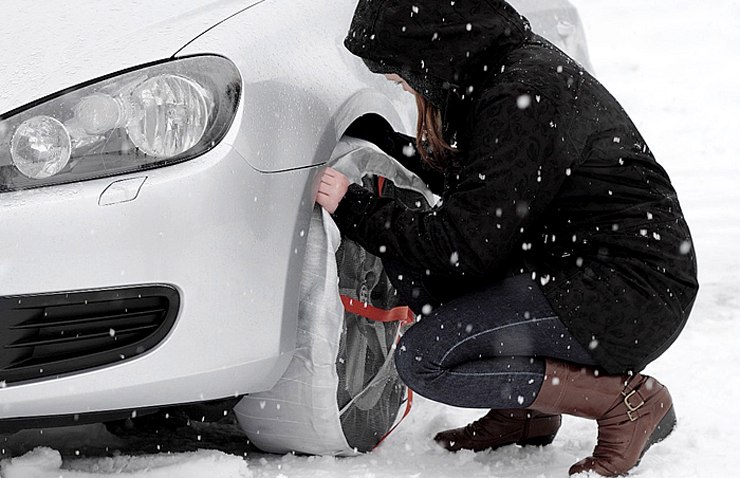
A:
[(502, 427), (632, 413)]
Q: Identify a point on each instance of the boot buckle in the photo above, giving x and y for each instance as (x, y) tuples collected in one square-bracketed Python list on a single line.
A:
[(632, 408)]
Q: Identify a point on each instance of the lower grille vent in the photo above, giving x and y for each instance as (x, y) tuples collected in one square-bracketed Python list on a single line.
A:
[(53, 334)]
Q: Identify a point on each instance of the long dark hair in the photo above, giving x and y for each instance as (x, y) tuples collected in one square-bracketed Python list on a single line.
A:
[(430, 142)]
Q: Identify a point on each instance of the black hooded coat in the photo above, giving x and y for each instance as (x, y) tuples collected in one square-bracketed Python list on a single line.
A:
[(551, 179)]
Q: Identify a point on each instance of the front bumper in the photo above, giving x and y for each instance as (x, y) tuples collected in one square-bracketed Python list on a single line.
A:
[(228, 238)]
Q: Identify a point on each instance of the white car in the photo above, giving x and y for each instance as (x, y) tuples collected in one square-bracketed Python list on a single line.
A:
[(157, 167)]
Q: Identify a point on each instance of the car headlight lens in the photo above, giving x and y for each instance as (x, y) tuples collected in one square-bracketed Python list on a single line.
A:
[(40, 147), (149, 117), (169, 115)]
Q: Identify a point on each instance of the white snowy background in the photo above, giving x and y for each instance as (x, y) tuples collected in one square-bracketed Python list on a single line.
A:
[(675, 67)]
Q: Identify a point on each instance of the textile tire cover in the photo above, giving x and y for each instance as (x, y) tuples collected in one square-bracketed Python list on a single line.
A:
[(341, 393)]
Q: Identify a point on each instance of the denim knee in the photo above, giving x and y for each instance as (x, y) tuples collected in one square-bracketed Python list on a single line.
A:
[(498, 382), (413, 363)]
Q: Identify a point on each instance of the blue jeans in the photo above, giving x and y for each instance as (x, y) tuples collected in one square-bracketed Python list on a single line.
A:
[(485, 349)]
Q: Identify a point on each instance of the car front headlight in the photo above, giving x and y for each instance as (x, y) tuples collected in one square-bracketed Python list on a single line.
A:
[(144, 118)]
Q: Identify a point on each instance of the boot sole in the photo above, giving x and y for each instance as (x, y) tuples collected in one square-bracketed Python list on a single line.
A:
[(537, 441), (665, 427), (532, 441)]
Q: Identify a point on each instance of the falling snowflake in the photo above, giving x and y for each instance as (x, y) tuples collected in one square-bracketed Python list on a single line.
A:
[(685, 247), (523, 102), (454, 259)]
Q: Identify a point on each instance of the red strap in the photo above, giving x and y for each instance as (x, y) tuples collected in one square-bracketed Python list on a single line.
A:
[(381, 183), (409, 402), (397, 314)]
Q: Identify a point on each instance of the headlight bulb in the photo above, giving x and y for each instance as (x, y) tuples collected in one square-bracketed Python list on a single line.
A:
[(98, 113), (40, 147), (169, 114)]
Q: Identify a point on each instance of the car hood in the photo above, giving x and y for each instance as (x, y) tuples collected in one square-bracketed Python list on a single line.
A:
[(48, 45)]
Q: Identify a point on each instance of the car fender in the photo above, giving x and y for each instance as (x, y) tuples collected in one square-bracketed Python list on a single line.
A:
[(301, 87)]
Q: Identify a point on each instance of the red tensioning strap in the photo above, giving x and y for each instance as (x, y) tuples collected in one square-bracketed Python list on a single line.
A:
[(381, 183), (409, 402), (397, 314)]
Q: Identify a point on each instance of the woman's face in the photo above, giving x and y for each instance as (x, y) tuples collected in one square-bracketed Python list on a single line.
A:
[(398, 80)]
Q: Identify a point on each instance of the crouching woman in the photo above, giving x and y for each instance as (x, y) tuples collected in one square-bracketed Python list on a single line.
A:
[(557, 264)]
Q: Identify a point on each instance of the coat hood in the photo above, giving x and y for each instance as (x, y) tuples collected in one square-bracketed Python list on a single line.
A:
[(435, 45)]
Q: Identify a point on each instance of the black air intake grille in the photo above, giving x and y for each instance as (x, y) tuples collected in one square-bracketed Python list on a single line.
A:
[(51, 334)]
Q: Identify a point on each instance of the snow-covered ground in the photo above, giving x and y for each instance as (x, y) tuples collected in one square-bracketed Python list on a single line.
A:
[(675, 67)]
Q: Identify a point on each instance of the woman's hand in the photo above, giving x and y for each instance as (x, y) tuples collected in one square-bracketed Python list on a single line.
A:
[(332, 188)]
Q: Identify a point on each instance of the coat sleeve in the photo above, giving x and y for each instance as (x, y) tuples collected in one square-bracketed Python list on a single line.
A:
[(399, 146), (509, 177)]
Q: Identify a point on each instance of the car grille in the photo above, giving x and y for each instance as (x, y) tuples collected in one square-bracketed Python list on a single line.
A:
[(47, 335)]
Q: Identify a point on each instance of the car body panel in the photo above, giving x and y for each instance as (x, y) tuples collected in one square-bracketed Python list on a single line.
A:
[(198, 227), (298, 99), (124, 34)]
